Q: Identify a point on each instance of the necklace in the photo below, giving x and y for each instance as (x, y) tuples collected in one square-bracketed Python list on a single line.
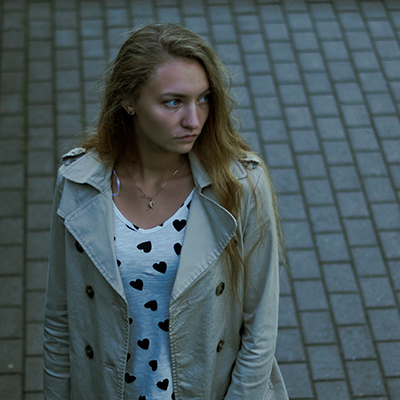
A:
[(144, 195)]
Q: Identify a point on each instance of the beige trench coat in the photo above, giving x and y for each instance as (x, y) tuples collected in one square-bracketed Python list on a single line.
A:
[(217, 351)]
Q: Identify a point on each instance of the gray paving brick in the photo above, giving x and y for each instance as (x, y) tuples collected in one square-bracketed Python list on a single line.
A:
[(34, 306), (257, 63), (268, 107), (341, 71), (12, 322), (347, 309), (11, 231), (359, 41), (332, 247), (391, 149), (317, 327), (297, 235), (352, 204), (11, 104), (330, 128), (318, 192), (337, 152), (11, 387), (276, 31), (271, 13), (328, 30), (287, 312), (379, 189), (34, 339), (324, 105), (304, 41), (324, 219), (339, 278), (297, 380), (11, 261), (310, 295), (11, 356), (355, 115), (36, 275), (304, 141), (311, 165), (281, 52), (365, 61), (360, 232), (311, 62), (292, 207), (351, 21), (279, 155), (335, 50), (365, 378), (391, 69), (368, 261), (300, 22), (287, 73), (372, 82), (386, 216), (298, 117), (322, 11), (40, 188), (12, 60), (325, 362), (11, 151), (385, 324), (289, 346), (356, 343), (285, 180), (34, 374), (317, 83), (13, 40), (387, 49), (12, 82), (377, 292), (395, 174), (390, 242), (371, 164), (335, 389), (380, 104), (303, 264), (11, 291), (395, 273), (273, 130), (373, 10), (37, 245), (66, 58), (394, 387), (390, 353), (363, 139)]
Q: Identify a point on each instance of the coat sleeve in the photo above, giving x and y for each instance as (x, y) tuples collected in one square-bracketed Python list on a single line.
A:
[(251, 376), (56, 333)]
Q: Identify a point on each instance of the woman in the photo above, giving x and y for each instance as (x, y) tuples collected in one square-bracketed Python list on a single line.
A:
[(163, 269)]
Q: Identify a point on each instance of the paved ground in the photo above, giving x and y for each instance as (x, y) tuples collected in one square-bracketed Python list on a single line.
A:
[(318, 84)]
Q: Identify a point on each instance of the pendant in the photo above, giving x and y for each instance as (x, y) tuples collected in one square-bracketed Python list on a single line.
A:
[(150, 205)]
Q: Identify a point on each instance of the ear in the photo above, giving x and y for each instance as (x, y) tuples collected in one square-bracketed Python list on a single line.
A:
[(128, 106)]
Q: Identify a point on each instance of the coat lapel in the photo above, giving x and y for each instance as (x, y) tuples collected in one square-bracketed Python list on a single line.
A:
[(88, 214), (210, 227)]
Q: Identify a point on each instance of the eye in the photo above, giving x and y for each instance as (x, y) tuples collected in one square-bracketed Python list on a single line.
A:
[(205, 99), (173, 103)]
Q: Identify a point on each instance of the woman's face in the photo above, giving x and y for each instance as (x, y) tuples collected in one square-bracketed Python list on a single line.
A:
[(172, 107)]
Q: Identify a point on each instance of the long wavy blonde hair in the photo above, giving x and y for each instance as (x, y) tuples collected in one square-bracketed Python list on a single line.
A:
[(219, 143)]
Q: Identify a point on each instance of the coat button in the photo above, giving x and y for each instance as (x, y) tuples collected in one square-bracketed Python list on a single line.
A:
[(220, 288), (89, 291), (89, 351), (78, 247), (220, 345)]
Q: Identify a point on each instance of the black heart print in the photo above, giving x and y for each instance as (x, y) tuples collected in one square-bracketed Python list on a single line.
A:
[(144, 344), (142, 397), (153, 365), (130, 320), (118, 263), (145, 246), (179, 225), (130, 228), (160, 267), (152, 305), (163, 385), (177, 248), (164, 325), (138, 284), (173, 396), (188, 206), (129, 378), (128, 357)]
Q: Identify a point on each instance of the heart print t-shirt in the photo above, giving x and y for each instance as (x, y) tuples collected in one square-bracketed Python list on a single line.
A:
[(147, 260)]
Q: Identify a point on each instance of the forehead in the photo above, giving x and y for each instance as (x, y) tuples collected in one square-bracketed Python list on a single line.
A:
[(178, 76)]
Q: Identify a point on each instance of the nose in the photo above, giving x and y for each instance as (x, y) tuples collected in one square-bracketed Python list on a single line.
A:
[(191, 118)]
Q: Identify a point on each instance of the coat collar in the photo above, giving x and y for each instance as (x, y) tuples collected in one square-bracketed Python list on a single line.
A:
[(80, 166)]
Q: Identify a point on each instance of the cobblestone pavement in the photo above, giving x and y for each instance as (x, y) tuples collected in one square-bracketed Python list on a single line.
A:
[(318, 87)]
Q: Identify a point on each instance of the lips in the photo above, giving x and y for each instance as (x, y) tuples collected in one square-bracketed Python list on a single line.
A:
[(187, 138)]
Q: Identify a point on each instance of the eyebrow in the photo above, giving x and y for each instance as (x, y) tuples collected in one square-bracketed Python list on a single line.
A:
[(176, 94)]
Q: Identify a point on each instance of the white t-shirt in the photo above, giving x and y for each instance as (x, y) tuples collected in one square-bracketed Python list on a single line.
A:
[(148, 260)]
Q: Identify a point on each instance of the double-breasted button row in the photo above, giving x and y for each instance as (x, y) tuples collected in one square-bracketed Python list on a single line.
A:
[(220, 345), (78, 247), (89, 351), (220, 288), (89, 291)]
